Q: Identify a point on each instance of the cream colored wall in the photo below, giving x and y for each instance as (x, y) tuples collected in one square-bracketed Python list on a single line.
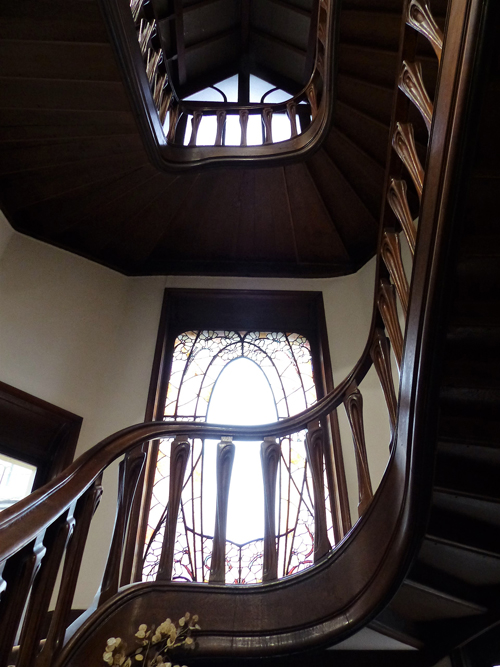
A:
[(82, 337)]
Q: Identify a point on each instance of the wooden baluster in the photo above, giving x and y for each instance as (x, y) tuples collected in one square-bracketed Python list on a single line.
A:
[(84, 511), (135, 8), (386, 302), (195, 124), (353, 403), (158, 90), (179, 456), (291, 109), (396, 196), (390, 250), (221, 121), (270, 452), (244, 126), (313, 101), (403, 142), (145, 32), (322, 32), (381, 357), (173, 120), (411, 82), (420, 18), (18, 574), (152, 62), (165, 105), (267, 119), (129, 471), (225, 458), (314, 448), (55, 541)]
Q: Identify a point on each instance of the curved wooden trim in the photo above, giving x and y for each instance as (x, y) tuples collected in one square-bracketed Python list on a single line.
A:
[(169, 157)]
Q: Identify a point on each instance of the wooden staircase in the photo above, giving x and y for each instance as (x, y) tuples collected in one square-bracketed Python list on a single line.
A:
[(74, 171), (452, 590)]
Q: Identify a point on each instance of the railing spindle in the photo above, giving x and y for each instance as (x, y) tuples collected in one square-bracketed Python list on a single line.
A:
[(411, 82), (83, 513), (195, 125), (244, 126), (314, 448), (55, 541), (420, 18), (221, 122), (291, 109), (391, 254), (313, 101), (225, 458), (179, 455), (353, 403), (128, 476), (386, 302), (270, 452), (403, 142), (267, 119), (18, 574), (172, 125), (396, 196), (380, 354)]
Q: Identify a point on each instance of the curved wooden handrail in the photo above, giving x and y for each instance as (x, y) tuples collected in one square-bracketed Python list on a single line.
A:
[(22, 522)]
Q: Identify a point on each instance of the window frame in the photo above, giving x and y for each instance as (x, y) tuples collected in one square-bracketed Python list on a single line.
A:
[(257, 310)]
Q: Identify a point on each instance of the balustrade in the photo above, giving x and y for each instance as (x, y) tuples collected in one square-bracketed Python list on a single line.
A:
[(48, 531), (171, 109)]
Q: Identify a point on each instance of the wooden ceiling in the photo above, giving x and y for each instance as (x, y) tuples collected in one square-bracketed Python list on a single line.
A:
[(74, 172), (207, 41)]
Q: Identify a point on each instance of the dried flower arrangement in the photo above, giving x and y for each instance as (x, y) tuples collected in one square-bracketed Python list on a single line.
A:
[(155, 644)]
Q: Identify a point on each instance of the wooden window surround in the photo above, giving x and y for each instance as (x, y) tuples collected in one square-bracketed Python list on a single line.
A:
[(37, 432), (190, 309)]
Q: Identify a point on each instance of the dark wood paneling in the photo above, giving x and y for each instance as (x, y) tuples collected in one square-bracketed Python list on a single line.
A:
[(37, 432)]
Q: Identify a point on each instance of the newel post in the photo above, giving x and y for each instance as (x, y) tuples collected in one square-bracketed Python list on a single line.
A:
[(270, 452), (353, 403), (225, 458), (314, 448)]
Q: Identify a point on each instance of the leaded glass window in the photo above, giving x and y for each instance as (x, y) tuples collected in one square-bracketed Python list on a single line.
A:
[(210, 371)]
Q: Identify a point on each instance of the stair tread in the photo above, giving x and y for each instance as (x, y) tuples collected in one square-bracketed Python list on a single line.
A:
[(449, 523)]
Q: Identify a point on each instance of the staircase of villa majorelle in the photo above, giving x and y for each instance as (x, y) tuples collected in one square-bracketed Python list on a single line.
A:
[(75, 172)]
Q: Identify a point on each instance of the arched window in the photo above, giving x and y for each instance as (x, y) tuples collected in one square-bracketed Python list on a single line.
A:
[(209, 340), (205, 369)]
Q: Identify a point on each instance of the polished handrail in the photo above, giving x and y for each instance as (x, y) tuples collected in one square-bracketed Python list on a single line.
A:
[(47, 503)]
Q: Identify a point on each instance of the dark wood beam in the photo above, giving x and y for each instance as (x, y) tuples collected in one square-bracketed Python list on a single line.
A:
[(179, 40), (279, 42), (311, 42), (209, 79)]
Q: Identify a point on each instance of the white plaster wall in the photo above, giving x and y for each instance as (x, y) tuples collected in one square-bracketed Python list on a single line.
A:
[(81, 337)]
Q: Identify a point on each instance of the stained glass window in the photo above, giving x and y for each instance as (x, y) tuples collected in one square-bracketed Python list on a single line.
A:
[(203, 361)]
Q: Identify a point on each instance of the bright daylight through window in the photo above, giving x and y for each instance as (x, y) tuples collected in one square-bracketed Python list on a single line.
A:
[(227, 91), (231, 377)]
